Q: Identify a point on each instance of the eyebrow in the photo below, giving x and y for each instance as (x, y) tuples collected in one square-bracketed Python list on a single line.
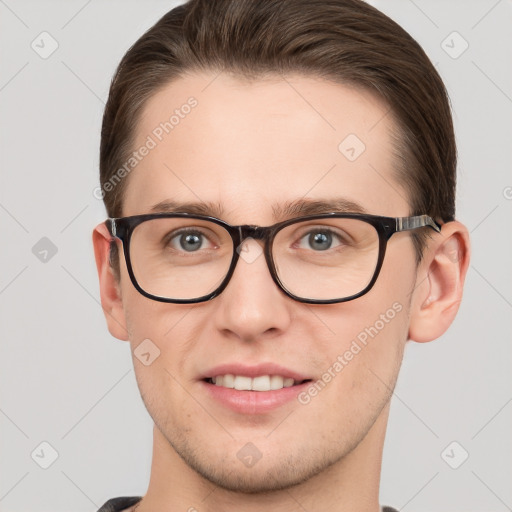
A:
[(302, 207), (197, 208), (287, 210)]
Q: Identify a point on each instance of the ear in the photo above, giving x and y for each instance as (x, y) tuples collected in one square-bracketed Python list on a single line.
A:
[(439, 283), (110, 293)]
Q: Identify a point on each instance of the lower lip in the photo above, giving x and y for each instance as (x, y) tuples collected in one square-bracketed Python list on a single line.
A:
[(253, 402)]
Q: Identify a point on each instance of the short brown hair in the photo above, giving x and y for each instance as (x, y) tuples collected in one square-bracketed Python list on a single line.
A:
[(346, 41)]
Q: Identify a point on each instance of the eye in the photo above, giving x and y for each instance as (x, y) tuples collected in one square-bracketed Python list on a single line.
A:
[(319, 240), (188, 240)]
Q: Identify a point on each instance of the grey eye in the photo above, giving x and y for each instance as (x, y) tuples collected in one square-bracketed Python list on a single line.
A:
[(319, 240), (189, 241)]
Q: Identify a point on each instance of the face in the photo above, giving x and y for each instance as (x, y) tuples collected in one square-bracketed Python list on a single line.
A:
[(249, 147)]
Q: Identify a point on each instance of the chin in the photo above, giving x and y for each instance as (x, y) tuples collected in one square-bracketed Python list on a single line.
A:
[(284, 468), (267, 479)]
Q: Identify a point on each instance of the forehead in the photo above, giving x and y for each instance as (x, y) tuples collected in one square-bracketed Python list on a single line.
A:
[(251, 145)]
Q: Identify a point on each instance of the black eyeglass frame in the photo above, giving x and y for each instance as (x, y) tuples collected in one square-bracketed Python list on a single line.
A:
[(122, 228)]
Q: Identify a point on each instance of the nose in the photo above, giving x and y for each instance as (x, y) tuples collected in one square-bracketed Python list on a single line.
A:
[(252, 306)]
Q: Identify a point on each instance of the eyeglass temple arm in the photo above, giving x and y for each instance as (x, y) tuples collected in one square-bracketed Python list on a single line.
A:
[(420, 221), (111, 226)]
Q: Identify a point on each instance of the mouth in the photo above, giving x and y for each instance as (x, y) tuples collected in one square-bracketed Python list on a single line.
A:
[(260, 383), (253, 389)]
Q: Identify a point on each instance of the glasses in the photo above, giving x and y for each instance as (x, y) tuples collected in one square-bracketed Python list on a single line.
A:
[(321, 259)]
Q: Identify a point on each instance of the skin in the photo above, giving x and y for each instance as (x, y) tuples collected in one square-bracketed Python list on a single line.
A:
[(248, 145)]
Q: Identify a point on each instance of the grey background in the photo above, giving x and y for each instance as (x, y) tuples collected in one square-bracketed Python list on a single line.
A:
[(66, 381)]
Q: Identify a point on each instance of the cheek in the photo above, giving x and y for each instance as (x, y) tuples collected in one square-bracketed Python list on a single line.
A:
[(154, 347), (146, 318), (161, 337), (369, 335), (361, 371)]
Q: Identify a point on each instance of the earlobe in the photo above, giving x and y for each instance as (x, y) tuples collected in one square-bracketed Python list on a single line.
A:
[(111, 301), (440, 282)]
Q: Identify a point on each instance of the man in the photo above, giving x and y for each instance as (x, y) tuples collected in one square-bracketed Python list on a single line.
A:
[(279, 179)]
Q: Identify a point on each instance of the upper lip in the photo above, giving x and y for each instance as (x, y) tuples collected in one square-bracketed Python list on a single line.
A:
[(253, 371)]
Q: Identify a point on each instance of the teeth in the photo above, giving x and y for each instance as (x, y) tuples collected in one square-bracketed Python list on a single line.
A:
[(287, 383), (260, 383), (228, 381), (242, 383), (276, 382)]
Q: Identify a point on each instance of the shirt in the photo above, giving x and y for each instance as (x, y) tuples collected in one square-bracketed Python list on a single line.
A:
[(119, 504)]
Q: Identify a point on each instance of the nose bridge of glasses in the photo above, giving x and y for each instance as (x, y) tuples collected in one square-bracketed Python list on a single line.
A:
[(247, 244), (251, 231)]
